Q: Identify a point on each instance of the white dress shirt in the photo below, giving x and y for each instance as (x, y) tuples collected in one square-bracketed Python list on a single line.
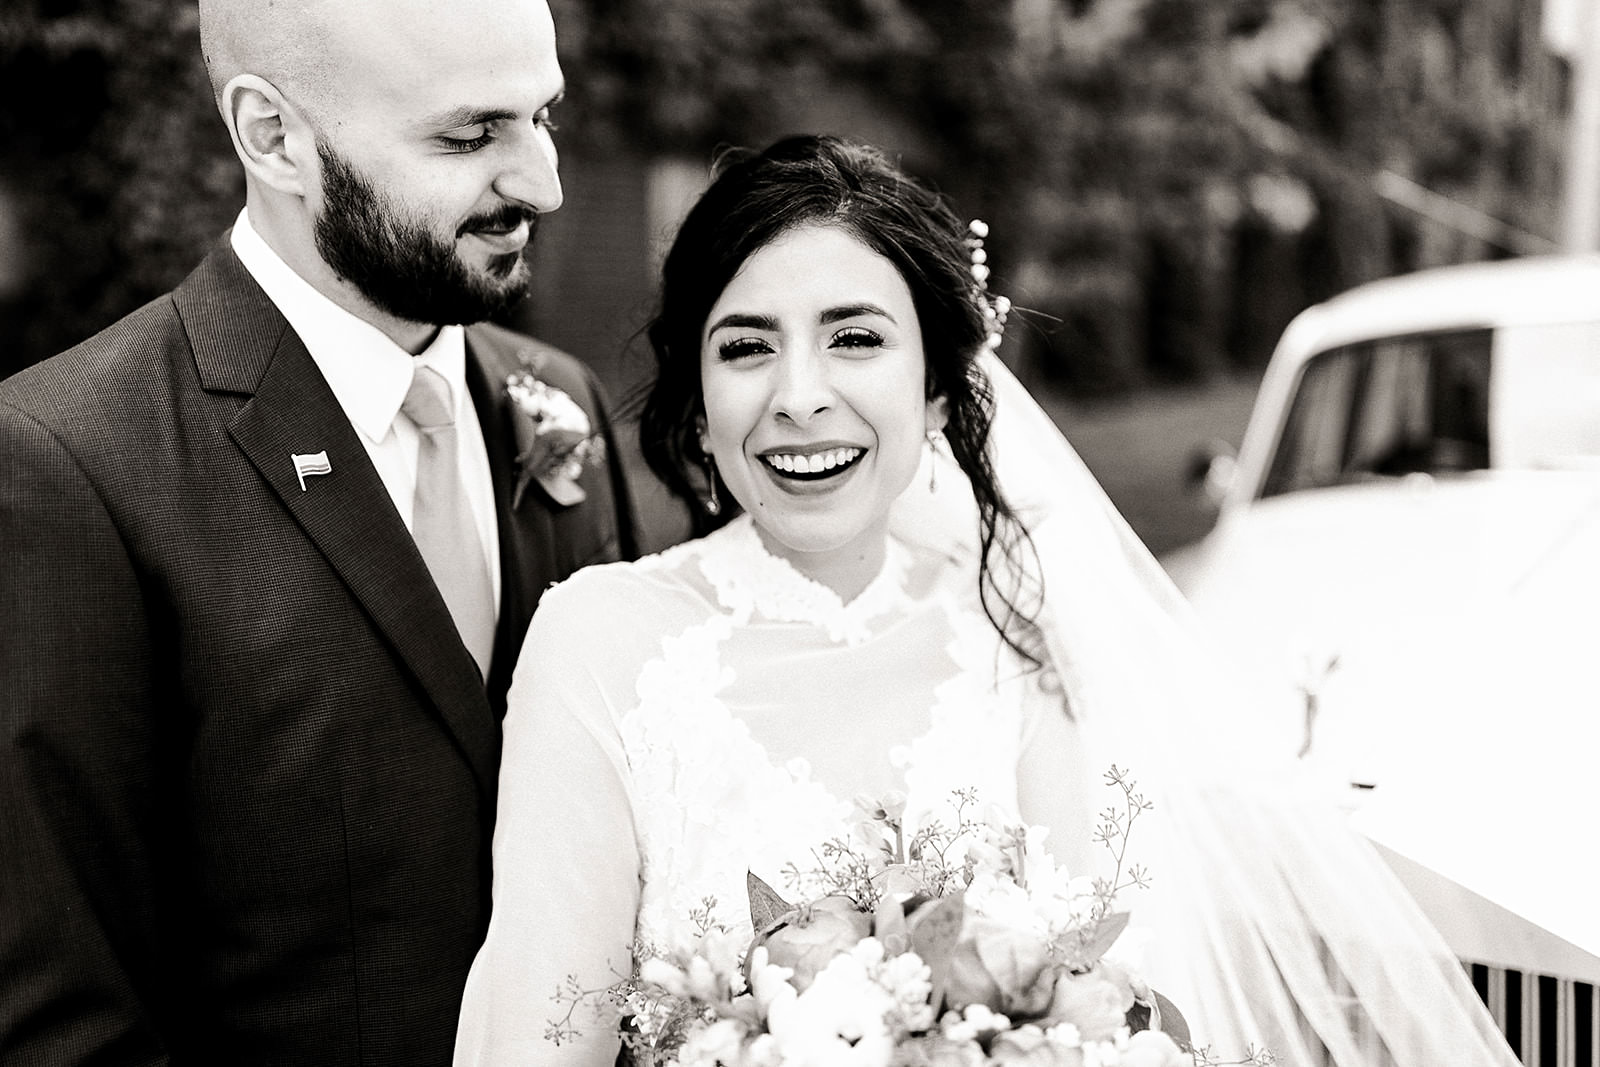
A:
[(370, 376)]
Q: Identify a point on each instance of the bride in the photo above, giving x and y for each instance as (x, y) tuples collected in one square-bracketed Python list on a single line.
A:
[(922, 591)]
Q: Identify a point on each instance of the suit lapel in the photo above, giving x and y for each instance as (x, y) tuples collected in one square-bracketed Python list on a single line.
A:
[(243, 344), (527, 535)]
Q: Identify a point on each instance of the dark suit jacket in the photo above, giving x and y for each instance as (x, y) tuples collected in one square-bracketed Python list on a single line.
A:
[(247, 767)]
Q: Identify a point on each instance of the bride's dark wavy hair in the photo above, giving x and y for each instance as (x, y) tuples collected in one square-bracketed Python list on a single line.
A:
[(756, 198)]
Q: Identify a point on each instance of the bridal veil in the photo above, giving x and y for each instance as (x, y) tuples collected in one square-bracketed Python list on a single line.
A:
[(1272, 922)]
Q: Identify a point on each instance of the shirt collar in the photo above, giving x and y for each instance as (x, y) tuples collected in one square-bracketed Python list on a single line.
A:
[(368, 373)]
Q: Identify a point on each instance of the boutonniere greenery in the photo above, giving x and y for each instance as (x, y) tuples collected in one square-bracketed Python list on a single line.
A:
[(555, 440)]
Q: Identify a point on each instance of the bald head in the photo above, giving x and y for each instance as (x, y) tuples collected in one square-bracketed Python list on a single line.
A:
[(392, 149), (278, 41), (325, 53)]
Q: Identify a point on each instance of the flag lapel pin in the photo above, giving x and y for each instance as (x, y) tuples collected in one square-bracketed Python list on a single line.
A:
[(307, 465)]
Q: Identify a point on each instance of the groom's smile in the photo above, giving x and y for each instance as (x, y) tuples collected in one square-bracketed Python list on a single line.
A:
[(395, 255), (504, 233)]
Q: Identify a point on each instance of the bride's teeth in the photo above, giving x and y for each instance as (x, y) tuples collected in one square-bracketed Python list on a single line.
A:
[(815, 463)]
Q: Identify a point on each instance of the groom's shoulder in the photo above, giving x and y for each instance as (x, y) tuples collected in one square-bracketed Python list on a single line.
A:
[(116, 367), (132, 359)]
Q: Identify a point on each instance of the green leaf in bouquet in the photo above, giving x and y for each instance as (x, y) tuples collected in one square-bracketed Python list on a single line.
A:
[(766, 906), (1159, 1013), (1100, 938), (935, 930)]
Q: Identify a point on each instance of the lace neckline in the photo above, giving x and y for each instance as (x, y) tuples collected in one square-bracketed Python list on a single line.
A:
[(748, 580)]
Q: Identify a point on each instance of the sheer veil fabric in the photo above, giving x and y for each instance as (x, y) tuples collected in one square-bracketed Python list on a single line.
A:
[(680, 720), (1273, 923)]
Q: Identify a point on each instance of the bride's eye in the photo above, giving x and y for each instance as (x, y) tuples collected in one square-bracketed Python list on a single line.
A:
[(856, 337), (742, 348)]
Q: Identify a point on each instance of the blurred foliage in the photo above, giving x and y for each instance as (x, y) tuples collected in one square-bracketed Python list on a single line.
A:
[(115, 162), (1168, 180)]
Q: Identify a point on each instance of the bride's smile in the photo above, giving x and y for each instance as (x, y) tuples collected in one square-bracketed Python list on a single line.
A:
[(816, 398), (824, 463)]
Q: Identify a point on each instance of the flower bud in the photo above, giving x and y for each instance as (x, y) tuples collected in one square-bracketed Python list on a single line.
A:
[(1092, 1003), (1002, 968), (814, 935)]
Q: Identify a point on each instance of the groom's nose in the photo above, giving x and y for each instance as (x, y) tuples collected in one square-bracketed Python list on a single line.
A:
[(531, 175)]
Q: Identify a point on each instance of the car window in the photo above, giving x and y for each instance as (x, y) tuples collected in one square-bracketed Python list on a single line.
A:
[(1545, 405), (1387, 407)]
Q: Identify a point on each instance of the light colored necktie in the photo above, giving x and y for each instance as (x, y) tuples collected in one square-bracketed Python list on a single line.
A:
[(441, 518)]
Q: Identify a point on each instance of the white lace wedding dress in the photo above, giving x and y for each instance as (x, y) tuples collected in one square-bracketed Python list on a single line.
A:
[(681, 720), (677, 721)]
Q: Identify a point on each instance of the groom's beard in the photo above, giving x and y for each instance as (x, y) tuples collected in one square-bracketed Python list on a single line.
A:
[(403, 267)]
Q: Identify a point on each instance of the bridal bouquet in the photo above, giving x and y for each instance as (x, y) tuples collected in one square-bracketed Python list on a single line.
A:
[(964, 945)]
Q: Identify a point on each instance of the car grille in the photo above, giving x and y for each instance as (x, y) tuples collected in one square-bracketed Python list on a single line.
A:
[(1548, 1021)]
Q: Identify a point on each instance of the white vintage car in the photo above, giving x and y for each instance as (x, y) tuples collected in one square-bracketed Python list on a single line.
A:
[(1408, 551)]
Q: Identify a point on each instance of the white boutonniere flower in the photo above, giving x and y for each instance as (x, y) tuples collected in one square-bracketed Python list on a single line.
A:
[(555, 440)]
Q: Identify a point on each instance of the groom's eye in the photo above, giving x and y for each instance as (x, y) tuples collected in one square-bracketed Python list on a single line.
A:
[(469, 139)]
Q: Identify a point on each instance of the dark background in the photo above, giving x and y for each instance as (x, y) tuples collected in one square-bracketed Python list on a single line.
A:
[(1168, 181)]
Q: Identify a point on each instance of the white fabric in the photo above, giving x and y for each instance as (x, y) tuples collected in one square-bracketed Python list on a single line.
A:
[(726, 709), (1274, 922), (676, 721), (370, 375)]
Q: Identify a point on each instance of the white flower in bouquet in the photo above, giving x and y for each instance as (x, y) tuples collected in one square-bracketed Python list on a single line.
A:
[(707, 966), (854, 1011), (715, 1044), (961, 946)]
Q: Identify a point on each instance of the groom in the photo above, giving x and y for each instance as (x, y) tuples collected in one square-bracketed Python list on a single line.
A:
[(268, 548)]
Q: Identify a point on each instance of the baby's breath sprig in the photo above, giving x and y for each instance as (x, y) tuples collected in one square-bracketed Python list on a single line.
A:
[(852, 868), (572, 993), (1113, 831), (1255, 1057)]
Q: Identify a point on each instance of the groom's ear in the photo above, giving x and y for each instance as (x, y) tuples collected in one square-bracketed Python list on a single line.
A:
[(270, 137)]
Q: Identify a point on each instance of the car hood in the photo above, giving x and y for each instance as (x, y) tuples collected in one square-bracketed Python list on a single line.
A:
[(1462, 619), (1411, 607), (1416, 546)]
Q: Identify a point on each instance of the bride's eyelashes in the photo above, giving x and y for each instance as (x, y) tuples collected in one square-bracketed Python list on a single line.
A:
[(742, 348), (856, 337), (850, 337)]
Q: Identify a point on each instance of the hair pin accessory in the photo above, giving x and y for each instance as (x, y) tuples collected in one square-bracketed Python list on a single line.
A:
[(995, 308)]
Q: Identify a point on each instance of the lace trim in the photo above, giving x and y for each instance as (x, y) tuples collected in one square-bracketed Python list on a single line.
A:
[(748, 580), (700, 827), (975, 731)]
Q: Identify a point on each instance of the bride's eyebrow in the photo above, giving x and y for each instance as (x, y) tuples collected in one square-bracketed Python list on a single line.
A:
[(852, 311), (740, 321)]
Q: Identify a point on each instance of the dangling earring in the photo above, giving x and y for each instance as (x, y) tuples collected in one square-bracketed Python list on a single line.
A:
[(933, 465), (713, 505)]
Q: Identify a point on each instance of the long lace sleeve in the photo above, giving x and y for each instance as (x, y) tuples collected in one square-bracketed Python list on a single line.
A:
[(566, 867)]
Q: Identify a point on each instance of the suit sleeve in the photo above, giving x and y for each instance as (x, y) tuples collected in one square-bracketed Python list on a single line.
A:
[(78, 767)]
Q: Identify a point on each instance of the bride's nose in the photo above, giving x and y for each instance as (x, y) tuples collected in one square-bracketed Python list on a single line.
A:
[(801, 391)]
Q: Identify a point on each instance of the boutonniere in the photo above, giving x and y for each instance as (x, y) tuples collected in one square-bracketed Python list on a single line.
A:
[(554, 439)]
